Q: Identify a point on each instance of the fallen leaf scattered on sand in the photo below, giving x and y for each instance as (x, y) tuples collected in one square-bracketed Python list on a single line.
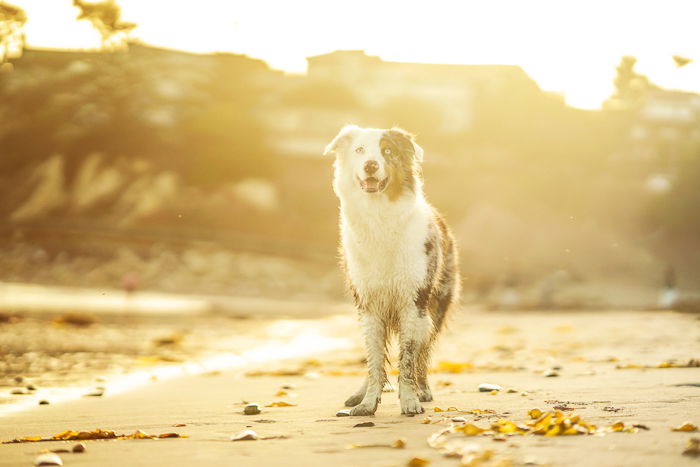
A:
[(396, 444), (449, 409), (692, 363), (70, 435), (692, 448), (417, 462), (469, 429), (169, 340), (74, 319), (472, 411), (553, 423), (686, 427), (156, 359), (453, 367), (281, 393), (471, 454), (280, 404)]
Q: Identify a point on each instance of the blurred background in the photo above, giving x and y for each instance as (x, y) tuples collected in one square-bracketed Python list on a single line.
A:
[(176, 147)]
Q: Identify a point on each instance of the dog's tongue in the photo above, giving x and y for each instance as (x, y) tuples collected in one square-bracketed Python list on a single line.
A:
[(371, 184)]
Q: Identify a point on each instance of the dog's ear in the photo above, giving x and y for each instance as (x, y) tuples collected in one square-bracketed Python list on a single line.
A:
[(418, 150), (344, 135)]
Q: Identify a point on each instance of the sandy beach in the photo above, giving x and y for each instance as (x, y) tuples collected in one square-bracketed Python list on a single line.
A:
[(633, 367)]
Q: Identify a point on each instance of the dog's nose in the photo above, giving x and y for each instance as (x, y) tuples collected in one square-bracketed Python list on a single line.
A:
[(371, 167)]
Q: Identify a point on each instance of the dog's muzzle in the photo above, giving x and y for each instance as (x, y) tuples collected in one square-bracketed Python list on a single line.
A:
[(372, 185)]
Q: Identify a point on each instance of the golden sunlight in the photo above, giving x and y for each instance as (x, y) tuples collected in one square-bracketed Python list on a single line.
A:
[(567, 47)]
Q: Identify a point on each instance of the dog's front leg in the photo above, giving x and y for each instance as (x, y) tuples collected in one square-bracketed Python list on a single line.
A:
[(414, 335), (375, 341)]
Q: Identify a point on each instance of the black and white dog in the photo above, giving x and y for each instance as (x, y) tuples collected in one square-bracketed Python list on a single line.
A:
[(399, 257)]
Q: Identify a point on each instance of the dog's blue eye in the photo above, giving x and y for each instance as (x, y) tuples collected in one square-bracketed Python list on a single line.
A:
[(360, 150)]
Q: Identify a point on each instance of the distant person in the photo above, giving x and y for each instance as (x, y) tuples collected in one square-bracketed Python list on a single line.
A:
[(669, 294)]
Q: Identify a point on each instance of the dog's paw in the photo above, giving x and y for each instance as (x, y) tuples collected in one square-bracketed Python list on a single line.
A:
[(363, 409), (424, 395), (354, 400), (411, 406)]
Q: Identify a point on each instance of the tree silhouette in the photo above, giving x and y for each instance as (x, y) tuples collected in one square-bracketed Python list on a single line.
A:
[(630, 87), (105, 16), (12, 21)]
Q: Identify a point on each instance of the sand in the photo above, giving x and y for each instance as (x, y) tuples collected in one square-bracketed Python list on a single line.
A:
[(512, 349)]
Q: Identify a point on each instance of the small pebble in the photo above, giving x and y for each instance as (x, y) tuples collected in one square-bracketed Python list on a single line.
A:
[(48, 459), (80, 447), (551, 374), (343, 413), (19, 392), (245, 435), (486, 387), (459, 419), (31, 387), (43, 402), (252, 409), (288, 386), (512, 391), (18, 379)]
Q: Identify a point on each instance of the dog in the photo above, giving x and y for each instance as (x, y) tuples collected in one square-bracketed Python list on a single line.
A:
[(399, 257)]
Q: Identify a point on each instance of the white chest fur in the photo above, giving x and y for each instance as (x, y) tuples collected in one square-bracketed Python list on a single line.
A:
[(383, 243)]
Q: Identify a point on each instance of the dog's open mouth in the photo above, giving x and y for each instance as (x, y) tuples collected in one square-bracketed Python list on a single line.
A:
[(372, 185)]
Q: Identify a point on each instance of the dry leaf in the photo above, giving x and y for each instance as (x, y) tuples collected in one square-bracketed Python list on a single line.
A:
[(449, 409), (688, 427), (70, 435), (396, 444), (468, 429), (453, 367), (418, 462), (280, 404), (281, 393)]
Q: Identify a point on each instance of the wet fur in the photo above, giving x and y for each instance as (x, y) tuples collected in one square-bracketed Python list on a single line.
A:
[(400, 262)]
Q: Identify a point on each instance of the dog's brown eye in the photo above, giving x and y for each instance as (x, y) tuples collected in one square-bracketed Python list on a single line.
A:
[(360, 150), (387, 151)]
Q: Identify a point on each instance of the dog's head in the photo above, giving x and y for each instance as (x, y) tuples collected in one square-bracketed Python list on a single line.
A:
[(376, 161)]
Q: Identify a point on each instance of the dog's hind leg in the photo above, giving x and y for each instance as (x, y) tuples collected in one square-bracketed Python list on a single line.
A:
[(375, 340), (356, 398), (415, 330)]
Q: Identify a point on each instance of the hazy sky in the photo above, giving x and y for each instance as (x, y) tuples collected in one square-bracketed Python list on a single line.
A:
[(571, 47)]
